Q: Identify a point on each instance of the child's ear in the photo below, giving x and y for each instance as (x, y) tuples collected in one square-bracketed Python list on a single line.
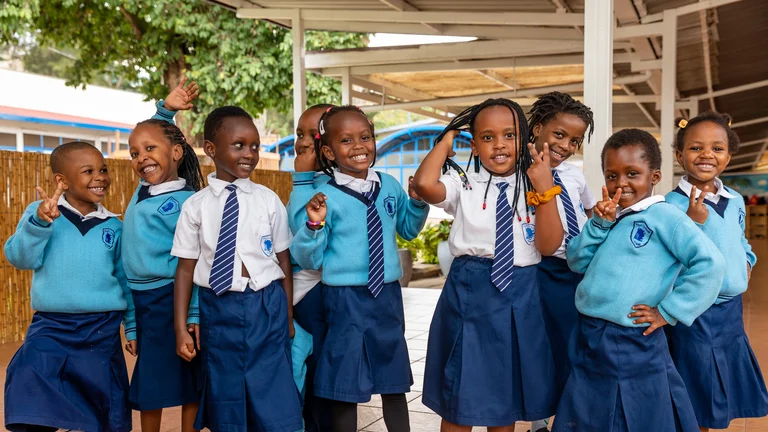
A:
[(178, 152), (328, 153), (679, 158), (210, 149), (61, 179), (536, 131), (656, 177), (473, 146)]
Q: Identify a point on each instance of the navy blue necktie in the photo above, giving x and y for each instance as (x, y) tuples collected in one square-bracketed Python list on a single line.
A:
[(570, 213), (504, 250), (224, 259), (375, 247)]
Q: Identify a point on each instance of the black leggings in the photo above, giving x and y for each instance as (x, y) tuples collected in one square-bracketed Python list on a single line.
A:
[(395, 414)]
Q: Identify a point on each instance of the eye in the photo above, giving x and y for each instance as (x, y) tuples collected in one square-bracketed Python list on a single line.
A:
[(610, 177), (718, 149), (366, 138), (487, 138), (694, 148), (105, 169), (300, 135), (255, 147), (134, 155), (151, 147), (558, 134), (632, 174), (346, 140), (88, 171), (575, 141), (510, 135), (238, 145)]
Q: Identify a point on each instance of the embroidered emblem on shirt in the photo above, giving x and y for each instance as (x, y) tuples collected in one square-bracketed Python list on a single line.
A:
[(169, 207), (266, 245), (742, 215), (108, 237), (640, 235), (529, 232), (389, 206), (581, 207)]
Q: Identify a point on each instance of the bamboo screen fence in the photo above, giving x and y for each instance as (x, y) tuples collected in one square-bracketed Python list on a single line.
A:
[(21, 172)]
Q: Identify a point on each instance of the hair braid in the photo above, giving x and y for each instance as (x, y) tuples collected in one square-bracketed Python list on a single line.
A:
[(189, 165), (321, 139)]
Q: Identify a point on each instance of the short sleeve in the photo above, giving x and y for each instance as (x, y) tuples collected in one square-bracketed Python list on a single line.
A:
[(186, 240), (281, 231), (587, 199), (453, 186)]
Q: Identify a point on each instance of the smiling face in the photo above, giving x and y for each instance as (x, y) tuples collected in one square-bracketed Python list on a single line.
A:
[(627, 168), (307, 129), (153, 157), (85, 179), (351, 144), (705, 154), (236, 150), (494, 139), (564, 133)]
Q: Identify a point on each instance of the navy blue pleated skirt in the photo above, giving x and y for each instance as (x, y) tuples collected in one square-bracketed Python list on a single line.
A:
[(364, 351), (309, 314), (718, 366), (246, 361), (69, 374), (161, 378), (557, 290), (488, 358), (622, 381)]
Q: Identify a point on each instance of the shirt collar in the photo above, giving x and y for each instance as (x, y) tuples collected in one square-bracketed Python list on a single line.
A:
[(217, 186), (101, 212), (686, 187), (345, 179), (169, 186), (641, 205)]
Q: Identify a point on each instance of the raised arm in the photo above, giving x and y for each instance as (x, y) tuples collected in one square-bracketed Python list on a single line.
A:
[(426, 182)]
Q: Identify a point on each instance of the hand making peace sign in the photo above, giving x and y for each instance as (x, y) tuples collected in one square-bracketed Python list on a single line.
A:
[(48, 210), (540, 172), (606, 208), (697, 210)]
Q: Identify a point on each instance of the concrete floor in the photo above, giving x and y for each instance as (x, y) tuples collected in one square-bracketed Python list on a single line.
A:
[(419, 307)]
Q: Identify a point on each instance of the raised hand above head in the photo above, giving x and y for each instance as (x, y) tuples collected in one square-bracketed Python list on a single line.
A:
[(182, 96)]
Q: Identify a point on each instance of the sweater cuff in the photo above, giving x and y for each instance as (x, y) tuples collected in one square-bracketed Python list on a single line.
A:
[(36, 221), (163, 113), (303, 178), (601, 223), (130, 335), (193, 320), (669, 318), (419, 204), (314, 233)]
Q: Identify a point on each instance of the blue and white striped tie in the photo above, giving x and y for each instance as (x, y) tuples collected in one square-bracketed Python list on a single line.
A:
[(224, 259), (570, 213), (375, 247), (504, 250)]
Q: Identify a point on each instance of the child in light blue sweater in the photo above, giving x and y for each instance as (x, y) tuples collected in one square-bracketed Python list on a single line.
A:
[(645, 265), (713, 355), (350, 235), (70, 372), (169, 174)]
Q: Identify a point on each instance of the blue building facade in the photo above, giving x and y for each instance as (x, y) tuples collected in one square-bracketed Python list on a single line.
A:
[(398, 154)]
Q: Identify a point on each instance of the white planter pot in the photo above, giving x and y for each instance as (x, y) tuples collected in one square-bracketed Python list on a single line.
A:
[(444, 257)]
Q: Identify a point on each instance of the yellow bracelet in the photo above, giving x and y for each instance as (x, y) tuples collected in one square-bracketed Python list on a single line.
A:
[(534, 199)]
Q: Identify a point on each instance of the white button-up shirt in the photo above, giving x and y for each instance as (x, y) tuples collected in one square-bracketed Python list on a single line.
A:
[(474, 229), (100, 213), (687, 187), (580, 195), (356, 184), (262, 232)]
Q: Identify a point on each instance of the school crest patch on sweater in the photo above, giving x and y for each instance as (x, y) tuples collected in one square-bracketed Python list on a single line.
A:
[(640, 235), (108, 237), (742, 215), (169, 207), (266, 245), (389, 206)]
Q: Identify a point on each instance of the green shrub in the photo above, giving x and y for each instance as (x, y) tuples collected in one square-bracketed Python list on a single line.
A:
[(425, 245)]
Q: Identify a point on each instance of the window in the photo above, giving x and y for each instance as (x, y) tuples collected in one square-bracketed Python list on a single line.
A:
[(425, 143), (393, 159), (409, 158)]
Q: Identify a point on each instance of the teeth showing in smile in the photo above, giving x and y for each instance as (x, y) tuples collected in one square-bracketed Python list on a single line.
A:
[(500, 158), (626, 194), (705, 166), (148, 169), (556, 155), (360, 158), (96, 189), (243, 165)]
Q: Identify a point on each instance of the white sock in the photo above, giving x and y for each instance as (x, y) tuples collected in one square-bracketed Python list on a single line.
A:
[(538, 424)]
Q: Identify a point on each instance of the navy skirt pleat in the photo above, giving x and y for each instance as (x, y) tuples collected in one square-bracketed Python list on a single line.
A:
[(488, 357), (622, 381), (718, 366), (69, 374), (246, 362), (309, 314), (557, 290), (161, 378), (364, 351)]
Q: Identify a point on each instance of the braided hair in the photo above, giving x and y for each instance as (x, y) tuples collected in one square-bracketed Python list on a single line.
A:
[(189, 165), (551, 104), (465, 121), (721, 119), (321, 139)]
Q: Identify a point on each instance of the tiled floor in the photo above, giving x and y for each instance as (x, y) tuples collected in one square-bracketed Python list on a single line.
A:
[(419, 307)]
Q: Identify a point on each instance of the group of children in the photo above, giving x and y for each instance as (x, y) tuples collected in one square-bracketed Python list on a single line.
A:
[(284, 319)]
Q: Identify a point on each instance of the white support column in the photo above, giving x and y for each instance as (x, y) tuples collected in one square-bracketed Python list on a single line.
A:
[(668, 86), (346, 87), (598, 84), (299, 73), (693, 111), (20, 141)]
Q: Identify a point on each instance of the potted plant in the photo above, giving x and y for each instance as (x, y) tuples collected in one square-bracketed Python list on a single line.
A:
[(444, 256)]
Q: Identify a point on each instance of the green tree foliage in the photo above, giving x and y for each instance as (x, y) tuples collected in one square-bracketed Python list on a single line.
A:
[(151, 44)]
